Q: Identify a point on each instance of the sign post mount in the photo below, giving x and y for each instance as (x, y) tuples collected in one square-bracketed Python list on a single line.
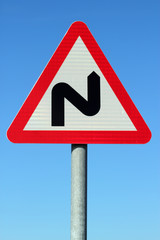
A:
[(78, 99)]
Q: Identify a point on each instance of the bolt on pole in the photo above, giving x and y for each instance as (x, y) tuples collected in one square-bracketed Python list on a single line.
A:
[(79, 192)]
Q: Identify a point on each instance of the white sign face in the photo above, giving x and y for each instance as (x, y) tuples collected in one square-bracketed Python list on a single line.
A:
[(77, 66)]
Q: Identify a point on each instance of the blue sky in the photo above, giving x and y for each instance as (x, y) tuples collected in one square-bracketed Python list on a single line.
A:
[(123, 180)]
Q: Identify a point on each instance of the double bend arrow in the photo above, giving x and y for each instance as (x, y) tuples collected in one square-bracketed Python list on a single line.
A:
[(88, 107)]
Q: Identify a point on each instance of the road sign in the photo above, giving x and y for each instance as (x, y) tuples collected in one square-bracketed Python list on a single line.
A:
[(78, 99)]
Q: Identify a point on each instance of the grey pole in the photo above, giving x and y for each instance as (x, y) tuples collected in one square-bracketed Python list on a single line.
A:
[(79, 192)]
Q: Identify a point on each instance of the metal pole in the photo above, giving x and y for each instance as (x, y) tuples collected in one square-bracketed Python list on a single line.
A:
[(79, 192)]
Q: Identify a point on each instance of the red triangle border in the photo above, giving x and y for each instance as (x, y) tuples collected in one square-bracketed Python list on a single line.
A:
[(16, 133)]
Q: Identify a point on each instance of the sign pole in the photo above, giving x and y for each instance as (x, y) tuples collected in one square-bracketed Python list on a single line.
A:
[(79, 192)]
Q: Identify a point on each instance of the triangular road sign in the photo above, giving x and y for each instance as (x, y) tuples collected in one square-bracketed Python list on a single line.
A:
[(78, 99)]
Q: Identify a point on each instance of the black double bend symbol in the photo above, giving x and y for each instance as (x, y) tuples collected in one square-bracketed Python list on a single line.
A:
[(88, 107)]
